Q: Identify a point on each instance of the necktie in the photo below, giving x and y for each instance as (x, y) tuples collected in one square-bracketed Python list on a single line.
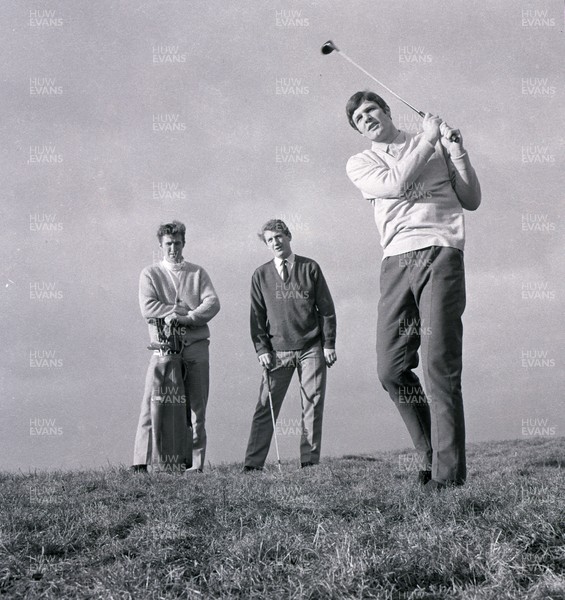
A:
[(284, 271)]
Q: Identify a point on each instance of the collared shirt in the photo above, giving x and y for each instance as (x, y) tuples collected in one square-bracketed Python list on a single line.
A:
[(289, 263), (394, 147)]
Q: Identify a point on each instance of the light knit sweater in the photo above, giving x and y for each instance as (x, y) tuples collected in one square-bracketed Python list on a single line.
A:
[(158, 296), (418, 195)]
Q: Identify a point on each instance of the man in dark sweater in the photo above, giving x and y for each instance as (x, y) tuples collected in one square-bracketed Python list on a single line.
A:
[(293, 327)]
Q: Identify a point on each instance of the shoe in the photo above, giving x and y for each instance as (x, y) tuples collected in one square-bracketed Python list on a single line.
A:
[(424, 477), (436, 486), (307, 464), (248, 469), (191, 471), (138, 469)]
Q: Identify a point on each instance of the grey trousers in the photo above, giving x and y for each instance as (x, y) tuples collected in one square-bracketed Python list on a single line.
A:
[(311, 367), (421, 304), (196, 380)]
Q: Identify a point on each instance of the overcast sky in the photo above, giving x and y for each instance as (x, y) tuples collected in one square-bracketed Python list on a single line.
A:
[(119, 115)]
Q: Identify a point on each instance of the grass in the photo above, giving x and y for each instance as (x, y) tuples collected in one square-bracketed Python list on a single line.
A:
[(354, 527)]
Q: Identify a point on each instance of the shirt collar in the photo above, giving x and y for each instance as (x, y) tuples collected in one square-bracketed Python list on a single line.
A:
[(399, 139), (289, 261)]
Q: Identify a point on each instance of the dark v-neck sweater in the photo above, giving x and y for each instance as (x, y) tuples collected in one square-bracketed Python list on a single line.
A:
[(292, 315)]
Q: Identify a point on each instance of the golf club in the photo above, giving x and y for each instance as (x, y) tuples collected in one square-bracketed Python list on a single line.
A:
[(330, 47), (268, 377)]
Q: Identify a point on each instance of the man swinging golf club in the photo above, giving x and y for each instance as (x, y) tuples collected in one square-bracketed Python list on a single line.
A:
[(419, 185), (293, 327)]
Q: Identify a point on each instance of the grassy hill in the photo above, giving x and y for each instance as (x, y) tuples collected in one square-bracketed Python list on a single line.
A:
[(354, 527)]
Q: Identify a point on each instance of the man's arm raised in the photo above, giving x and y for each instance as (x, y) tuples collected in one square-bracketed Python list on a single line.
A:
[(378, 180), (463, 177)]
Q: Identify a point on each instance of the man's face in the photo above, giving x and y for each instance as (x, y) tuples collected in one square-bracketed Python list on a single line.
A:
[(374, 123), (278, 243), (172, 246)]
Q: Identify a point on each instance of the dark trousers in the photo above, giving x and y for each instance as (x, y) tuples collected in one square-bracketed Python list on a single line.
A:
[(311, 366), (421, 304)]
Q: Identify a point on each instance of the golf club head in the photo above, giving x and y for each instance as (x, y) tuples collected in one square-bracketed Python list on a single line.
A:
[(329, 47)]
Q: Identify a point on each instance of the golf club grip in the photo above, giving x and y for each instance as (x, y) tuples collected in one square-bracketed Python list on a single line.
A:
[(454, 137)]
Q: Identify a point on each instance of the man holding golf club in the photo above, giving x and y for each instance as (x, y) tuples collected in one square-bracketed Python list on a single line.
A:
[(419, 185), (293, 327), (180, 294)]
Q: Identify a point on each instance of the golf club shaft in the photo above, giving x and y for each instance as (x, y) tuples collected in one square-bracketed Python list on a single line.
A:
[(273, 416), (379, 82), (454, 137)]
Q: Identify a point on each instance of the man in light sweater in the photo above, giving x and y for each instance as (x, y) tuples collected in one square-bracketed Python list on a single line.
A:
[(182, 294), (419, 185), (293, 327)]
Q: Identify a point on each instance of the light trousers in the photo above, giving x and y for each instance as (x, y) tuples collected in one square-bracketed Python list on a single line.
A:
[(311, 367)]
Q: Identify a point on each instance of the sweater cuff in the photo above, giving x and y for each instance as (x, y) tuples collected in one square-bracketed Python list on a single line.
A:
[(462, 157)]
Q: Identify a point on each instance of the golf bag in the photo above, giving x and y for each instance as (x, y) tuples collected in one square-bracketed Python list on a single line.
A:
[(171, 432)]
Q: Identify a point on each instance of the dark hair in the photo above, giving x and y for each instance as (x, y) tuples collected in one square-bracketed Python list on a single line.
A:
[(174, 228), (357, 99), (274, 225)]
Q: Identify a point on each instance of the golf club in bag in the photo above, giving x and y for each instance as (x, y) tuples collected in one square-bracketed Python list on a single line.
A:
[(171, 433)]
